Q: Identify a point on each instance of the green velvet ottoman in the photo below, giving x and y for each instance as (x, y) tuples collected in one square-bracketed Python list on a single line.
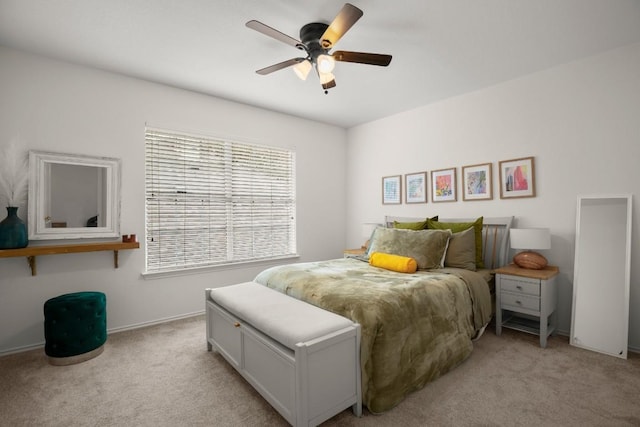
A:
[(75, 327)]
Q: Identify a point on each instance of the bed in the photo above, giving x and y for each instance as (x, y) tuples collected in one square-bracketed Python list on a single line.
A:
[(415, 326)]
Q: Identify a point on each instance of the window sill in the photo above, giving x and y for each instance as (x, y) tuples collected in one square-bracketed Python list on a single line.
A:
[(150, 275)]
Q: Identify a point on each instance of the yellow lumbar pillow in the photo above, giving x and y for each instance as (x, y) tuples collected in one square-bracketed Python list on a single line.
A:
[(401, 264)]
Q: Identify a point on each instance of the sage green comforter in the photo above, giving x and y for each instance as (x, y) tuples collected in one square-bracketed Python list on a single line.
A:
[(415, 327)]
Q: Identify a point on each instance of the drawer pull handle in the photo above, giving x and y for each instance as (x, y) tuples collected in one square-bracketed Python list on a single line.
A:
[(518, 302), (237, 325), (519, 287)]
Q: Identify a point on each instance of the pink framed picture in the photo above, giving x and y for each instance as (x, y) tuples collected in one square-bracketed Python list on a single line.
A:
[(517, 178)]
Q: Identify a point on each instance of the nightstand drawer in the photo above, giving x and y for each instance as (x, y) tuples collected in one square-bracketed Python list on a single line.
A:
[(520, 285), (519, 301)]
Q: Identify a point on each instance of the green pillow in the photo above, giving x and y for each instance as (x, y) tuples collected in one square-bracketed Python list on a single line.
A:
[(461, 252), (457, 227), (420, 225)]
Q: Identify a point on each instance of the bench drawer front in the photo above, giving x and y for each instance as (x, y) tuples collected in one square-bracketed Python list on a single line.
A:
[(227, 335), (271, 372)]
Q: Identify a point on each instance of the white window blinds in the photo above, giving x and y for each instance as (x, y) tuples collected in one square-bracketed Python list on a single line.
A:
[(211, 202)]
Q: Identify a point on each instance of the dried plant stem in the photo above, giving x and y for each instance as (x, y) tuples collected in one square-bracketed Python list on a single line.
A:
[(14, 173)]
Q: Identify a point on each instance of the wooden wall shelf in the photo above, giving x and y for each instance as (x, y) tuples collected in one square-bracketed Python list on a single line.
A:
[(32, 251)]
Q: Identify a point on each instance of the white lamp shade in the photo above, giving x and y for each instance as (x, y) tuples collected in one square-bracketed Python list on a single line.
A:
[(326, 78), (302, 69), (530, 238), (325, 63)]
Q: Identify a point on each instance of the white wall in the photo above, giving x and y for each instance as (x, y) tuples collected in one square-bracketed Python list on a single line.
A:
[(71, 109), (581, 123)]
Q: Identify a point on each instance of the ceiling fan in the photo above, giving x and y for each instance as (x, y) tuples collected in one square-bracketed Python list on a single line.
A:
[(316, 40)]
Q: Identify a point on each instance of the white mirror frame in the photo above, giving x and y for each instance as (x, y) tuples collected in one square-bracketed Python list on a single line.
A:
[(39, 187)]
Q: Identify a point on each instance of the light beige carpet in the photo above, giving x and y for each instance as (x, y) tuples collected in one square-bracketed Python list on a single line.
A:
[(164, 376)]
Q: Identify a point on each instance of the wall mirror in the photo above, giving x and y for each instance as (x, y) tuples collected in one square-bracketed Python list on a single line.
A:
[(73, 196)]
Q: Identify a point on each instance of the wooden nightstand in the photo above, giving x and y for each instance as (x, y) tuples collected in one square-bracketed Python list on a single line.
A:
[(350, 253), (526, 300)]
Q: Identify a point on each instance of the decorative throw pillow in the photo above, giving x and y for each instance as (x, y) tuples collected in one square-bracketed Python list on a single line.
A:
[(401, 264), (456, 227), (419, 225), (427, 247), (461, 252)]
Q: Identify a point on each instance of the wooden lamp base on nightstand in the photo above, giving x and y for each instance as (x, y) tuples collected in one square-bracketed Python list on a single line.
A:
[(530, 260)]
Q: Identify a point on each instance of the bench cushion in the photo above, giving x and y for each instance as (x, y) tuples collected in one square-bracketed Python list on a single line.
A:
[(283, 318)]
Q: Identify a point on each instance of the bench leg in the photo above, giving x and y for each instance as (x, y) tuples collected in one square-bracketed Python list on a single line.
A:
[(357, 409)]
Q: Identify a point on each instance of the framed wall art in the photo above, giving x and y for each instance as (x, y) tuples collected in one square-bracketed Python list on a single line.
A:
[(415, 185), (392, 190), (517, 178), (477, 182), (443, 185)]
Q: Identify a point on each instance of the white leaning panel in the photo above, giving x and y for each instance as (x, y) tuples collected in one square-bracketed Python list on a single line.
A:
[(602, 272)]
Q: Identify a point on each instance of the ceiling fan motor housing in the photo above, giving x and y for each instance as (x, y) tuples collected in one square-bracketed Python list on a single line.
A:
[(310, 36)]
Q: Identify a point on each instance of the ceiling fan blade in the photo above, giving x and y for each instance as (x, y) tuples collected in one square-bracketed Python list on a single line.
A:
[(348, 15), (362, 58), (273, 33), (279, 66)]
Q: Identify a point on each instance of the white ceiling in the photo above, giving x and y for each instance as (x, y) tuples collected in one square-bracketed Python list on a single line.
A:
[(440, 48)]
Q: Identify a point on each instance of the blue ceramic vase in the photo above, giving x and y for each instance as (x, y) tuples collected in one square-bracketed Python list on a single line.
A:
[(13, 231)]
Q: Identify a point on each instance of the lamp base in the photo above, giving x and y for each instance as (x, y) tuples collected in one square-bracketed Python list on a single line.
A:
[(530, 260)]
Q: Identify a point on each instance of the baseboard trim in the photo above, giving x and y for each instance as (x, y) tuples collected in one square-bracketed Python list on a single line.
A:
[(110, 331), (155, 322), (16, 350)]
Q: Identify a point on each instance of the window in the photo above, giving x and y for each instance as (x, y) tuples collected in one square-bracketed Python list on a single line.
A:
[(212, 202)]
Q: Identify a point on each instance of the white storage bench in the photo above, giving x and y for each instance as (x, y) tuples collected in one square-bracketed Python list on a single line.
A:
[(305, 361)]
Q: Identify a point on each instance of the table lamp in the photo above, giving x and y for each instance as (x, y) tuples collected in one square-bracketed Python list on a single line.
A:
[(530, 239)]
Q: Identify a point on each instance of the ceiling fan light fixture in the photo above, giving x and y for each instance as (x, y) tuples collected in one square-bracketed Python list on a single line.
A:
[(302, 69), (326, 77), (316, 40), (325, 63)]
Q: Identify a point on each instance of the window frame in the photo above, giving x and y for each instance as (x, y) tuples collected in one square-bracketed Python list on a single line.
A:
[(251, 215)]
